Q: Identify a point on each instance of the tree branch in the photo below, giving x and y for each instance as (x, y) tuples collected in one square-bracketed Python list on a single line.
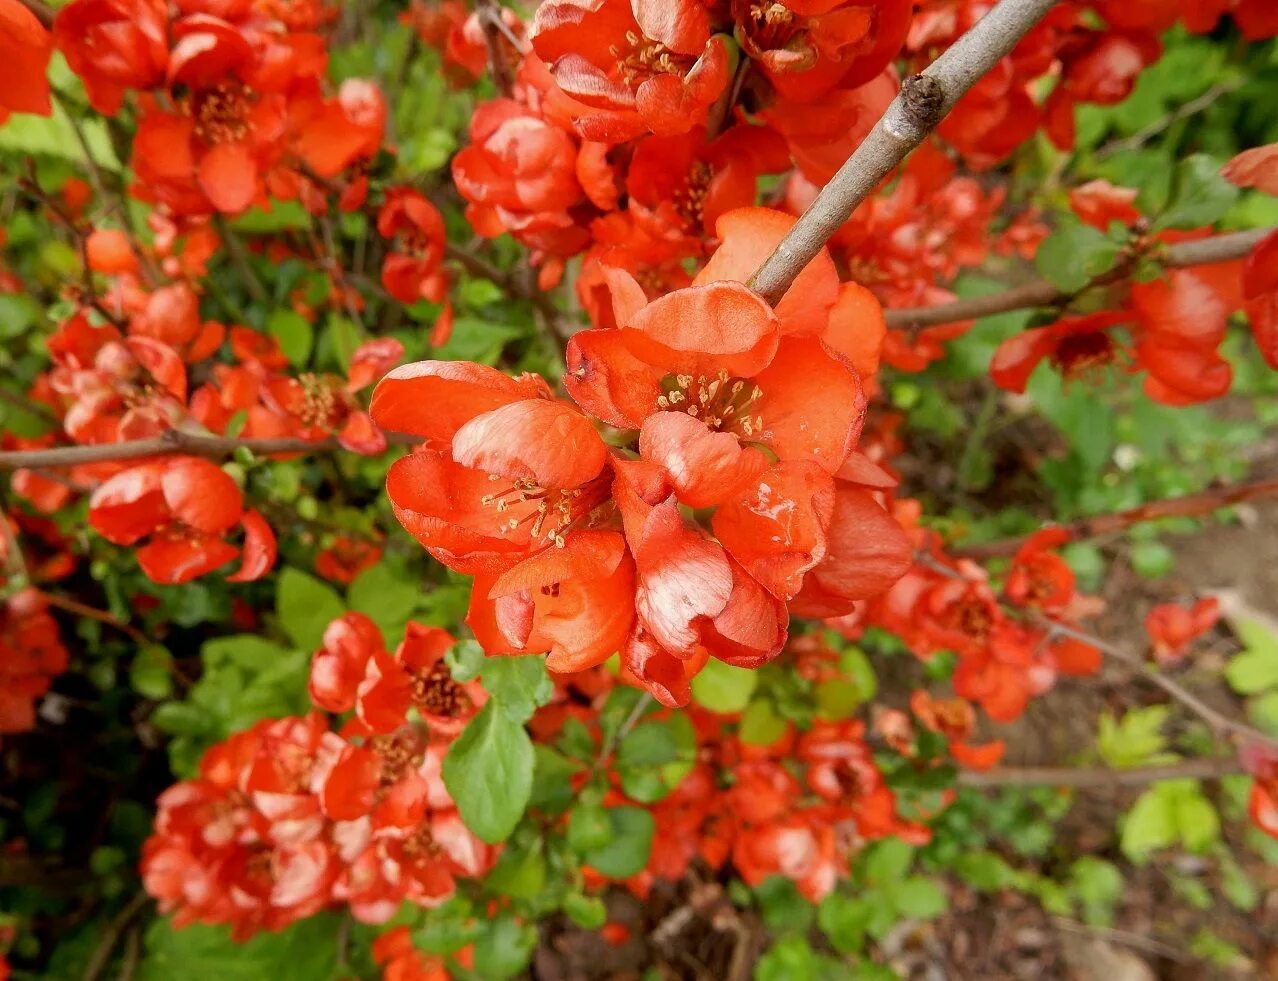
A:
[(174, 441), (923, 102), (1187, 506), (1041, 293), (1095, 776), (43, 12)]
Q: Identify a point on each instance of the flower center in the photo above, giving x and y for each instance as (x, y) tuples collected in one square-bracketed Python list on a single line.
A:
[(1080, 353), (436, 693), (642, 58), (973, 618), (320, 403), (555, 509), (772, 25), (399, 752), (690, 200), (220, 113), (723, 403), (421, 844)]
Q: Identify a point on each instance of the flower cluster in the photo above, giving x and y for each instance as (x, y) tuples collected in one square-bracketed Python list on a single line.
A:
[(290, 817), (1174, 325), (733, 496), (31, 656), (231, 104)]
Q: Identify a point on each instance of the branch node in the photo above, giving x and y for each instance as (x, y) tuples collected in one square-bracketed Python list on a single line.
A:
[(925, 99)]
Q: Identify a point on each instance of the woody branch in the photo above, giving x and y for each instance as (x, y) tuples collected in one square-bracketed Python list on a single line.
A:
[(1041, 293), (924, 100), (172, 441), (1186, 506)]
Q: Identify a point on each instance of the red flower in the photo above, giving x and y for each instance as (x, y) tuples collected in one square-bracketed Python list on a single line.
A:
[(417, 677), (1260, 294), (1172, 629), (413, 268), (346, 558), (519, 174), (114, 46), (172, 315), (25, 47), (517, 469), (576, 603), (31, 655), (807, 47), (954, 719), (637, 67), (338, 667), (182, 506)]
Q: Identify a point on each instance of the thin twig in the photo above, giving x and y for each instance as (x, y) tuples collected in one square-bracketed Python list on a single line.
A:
[(239, 260), (29, 406), (490, 20), (43, 12), (1099, 776), (111, 936), (1136, 940), (92, 613), (31, 185), (1219, 722), (1186, 506), (923, 102), (175, 441), (610, 744), (1041, 293), (1190, 108)]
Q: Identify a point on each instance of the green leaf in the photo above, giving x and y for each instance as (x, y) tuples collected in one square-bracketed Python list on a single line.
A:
[(295, 334), (589, 828), (723, 688), (588, 912), (305, 949), (306, 606), (1074, 255), (151, 673), (1197, 822), (552, 779), (919, 897), (504, 949), (782, 906), (1098, 885), (885, 861), (386, 597), (1236, 884), (488, 771), (1255, 669), (518, 684), (985, 871), (520, 872), (1149, 825), (1134, 740), (761, 724), (845, 920), (1199, 194), (631, 845)]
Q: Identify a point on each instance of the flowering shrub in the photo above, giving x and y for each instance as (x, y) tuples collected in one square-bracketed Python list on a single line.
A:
[(469, 469)]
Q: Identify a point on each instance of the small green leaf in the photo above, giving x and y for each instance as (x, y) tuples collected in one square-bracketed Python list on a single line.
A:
[(294, 333), (919, 897), (386, 598), (1255, 669), (1134, 740), (631, 845), (1074, 255), (761, 724), (588, 912), (885, 861), (504, 949), (151, 673), (1149, 825), (488, 771), (518, 684), (722, 688), (306, 606), (1199, 195)]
